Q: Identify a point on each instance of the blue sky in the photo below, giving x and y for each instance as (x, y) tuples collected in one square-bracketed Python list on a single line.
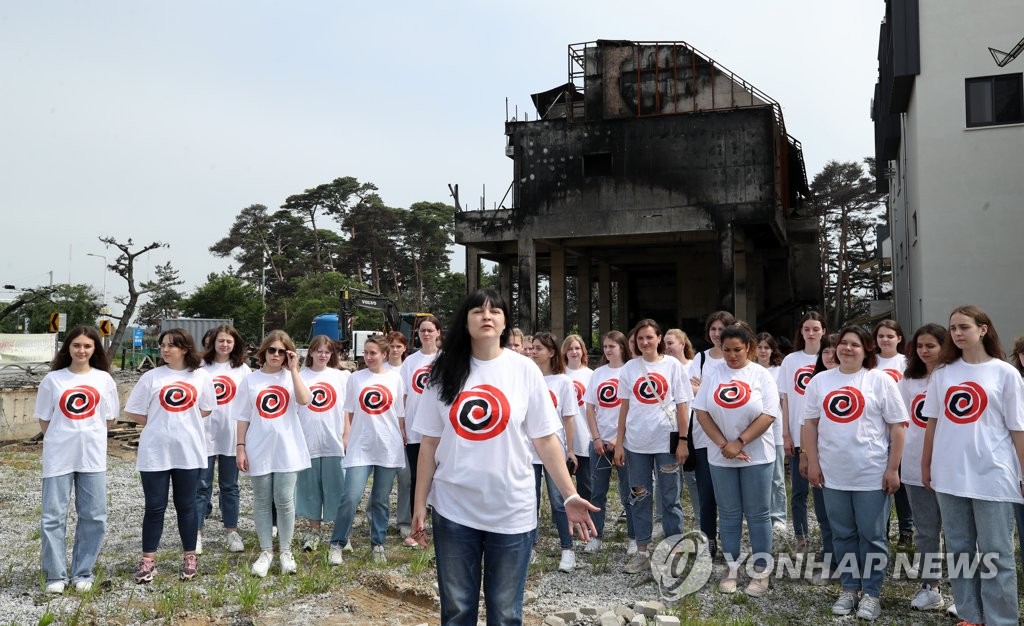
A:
[(159, 121)]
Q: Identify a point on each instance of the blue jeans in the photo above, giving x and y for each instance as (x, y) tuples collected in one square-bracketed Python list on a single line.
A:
[(798, 498), (706, 493), (459, 551), (557, 507), (273, 504), (928, 526), (777, 510), (582, 476), (979, 527), (641, 467), (91, 507), (227, 478), (403, 514), (690, 481), (319, 487), (155, 486), (355, 485), (600, 479), (1018, 514), (860, 521), (744, 491), (821, 512)]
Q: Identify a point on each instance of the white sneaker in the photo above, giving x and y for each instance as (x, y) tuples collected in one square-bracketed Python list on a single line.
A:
[(273, 532), (639, 562), (56, 586), (779, 529), (83, 586), (199, 543), (631, 547), (310, 542), (568, 561), (234, 541), (287, 562), (869, 609), (927, 599), (951, 611), (334, 556), (348, 546), (262, 564), (845, 604), (405, 531), (593, 546), (379, 556)]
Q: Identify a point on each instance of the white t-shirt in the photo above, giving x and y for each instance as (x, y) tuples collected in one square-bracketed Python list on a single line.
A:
[(78, 407), (976, 406), (375, 402), (648, 426), (700, 440), (274, 442), (734, 399), (174, 436), (893, 366), (777, 424), (484, 478), (323, 419), (221, 427), (603, 395), (913, 392), (796, 371), (415, 371), (563, 397), (853, 413), (581, 432)]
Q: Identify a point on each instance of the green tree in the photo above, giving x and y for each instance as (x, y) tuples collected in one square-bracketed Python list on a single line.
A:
[(374, 234), (428, 228), (228, 296), (164, 300), (79, 302), (319, 293)]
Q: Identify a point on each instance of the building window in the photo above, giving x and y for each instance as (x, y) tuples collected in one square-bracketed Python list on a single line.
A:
[(993, 100)]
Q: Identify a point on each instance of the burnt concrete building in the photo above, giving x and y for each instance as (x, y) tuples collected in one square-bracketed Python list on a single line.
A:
[(662, 178)]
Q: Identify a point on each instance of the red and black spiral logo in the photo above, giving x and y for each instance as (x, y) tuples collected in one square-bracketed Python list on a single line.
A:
[(608, 394), (554, 398), (916, 406), (79, 403), (896, 374), (272, 402), (376, 399), (581, 390), (419, 379), (225, 388), (323, 397), (178, 396), (732, 395), (844, 405), (480, 413), (649, 392), (965, 402), (802, 377)]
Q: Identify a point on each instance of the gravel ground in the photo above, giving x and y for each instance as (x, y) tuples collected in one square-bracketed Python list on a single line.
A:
[(399, 592)]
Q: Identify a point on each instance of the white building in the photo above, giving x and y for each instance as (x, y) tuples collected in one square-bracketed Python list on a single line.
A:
[(949, 138)]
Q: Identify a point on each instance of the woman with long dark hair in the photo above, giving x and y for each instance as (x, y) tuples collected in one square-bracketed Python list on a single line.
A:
[(171, 402), (223, 361), (75, 405), (482, 409)]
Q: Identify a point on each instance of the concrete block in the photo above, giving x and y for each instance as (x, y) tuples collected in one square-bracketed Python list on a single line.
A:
[(592, 612), (666, 620), (529, 597), (625, 612), (638, 620), (569, 616), (610, 620), (650, 609), (553, 620)]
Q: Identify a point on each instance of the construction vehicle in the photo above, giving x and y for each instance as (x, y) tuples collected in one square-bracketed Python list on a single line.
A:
[(339, 326)]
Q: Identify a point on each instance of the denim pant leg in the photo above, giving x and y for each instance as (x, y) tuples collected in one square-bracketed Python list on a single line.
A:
[(778, 507), (821, 512), (798, 497), (558, 513), (583, 477), (669, 491), (927, 527), (284, 500), (53, 526), (600, 480), (355, 485), (155, 488), (506, 561), (383, 479), (227, 479), (91, 506), (640, 467), (403, 515), (412, 458), (755, 484), (845, 542), (458, 550), (1018, 514), (262, 502), (729, 497), (183, 489), (706, 492), (904, 514), (690, 480), (204, 492), (871, 510)]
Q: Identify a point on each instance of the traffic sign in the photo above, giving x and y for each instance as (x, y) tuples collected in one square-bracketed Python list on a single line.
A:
[(137, 338), (58, 322), (106, 328)]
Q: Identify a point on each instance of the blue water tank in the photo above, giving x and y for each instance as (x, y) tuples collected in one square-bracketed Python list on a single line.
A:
[(325, 324)]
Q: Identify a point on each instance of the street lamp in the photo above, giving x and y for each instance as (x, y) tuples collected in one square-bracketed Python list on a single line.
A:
[(100, 256)]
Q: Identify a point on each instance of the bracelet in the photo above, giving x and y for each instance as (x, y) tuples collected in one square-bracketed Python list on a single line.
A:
[(683, 438), (239, 444), (595, 439), (740, 439), (574, 496)]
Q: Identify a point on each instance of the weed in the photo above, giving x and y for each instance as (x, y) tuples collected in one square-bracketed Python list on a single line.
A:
[(34, 535), (46, 618), (248, 594), (420, 562), (601, 562)]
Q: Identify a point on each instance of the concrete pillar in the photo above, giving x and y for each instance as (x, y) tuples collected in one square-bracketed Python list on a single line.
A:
[(743, 310), (604, 298), (584, 307), (472, 269), (681, 291), (505, 281), (726, 267), (527, 284), (557, 291), (623, 292)]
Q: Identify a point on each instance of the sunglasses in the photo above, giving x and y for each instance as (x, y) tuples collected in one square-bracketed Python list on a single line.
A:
[(276, 351)]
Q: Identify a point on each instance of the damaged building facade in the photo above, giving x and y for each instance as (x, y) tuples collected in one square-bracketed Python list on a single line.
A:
[(660, 178)]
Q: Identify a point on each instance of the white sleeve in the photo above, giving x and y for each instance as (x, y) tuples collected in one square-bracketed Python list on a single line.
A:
[(1013, 400), (243, 403), (894, 411), (541, 417), (45, 399), (138, 400), (812, 408), (111, 401), (207, 395), (770, 395)]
